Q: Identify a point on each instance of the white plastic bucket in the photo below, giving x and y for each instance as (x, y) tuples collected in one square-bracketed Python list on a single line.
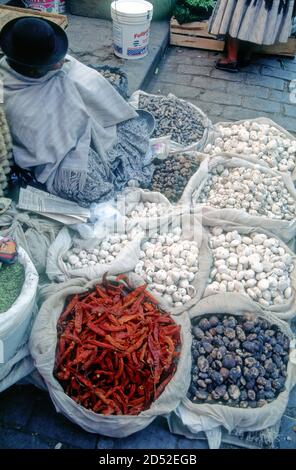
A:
[(47, 6), (131, 28)]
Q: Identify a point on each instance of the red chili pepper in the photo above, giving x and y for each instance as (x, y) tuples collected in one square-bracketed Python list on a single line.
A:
[(69, 308), (95, 329), (116, 350)]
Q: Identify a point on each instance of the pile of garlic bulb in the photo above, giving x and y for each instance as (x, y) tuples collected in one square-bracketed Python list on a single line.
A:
[(6, 159), (254, 265), (256, 192), (148, 209), (169, 266), (104, 253), (261, 141)]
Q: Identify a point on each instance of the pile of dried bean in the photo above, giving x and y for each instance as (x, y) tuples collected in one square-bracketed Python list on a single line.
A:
[(116, 349)]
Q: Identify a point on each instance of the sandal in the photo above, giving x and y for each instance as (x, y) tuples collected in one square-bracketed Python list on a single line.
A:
[(230, 67)]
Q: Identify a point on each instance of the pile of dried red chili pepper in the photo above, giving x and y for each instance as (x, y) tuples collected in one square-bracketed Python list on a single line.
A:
[(117, 350)]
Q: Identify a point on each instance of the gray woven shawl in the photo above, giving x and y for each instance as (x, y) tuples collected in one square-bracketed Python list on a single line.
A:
[(54, 120)]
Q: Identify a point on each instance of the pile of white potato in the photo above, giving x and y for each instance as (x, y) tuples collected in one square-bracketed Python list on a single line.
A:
[(169, 266), (104, 253), (254, 265), (148, 209), (261, 141), (250, 189)]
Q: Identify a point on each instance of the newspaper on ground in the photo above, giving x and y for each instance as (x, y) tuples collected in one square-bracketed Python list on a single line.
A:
[(54, 207)]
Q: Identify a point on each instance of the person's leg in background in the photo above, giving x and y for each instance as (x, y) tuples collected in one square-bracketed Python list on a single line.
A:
[(230, 61)]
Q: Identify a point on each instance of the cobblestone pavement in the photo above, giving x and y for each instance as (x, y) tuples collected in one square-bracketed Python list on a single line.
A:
[(27, 417), (28, 420), (261, 89)]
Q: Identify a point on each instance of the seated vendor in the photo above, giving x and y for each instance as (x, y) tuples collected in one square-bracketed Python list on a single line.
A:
[(69, 126)]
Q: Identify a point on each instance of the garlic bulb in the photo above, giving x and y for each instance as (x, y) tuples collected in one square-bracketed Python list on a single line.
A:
[(148, 209), (264, 276), (104, 253), (261, 141), (168, 262), (249, 189)]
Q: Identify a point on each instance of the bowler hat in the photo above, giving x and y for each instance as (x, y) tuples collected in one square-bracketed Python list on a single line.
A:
[(33, 42)]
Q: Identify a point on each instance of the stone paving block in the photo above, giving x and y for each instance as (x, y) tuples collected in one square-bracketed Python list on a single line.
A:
[(194, 69), (291, 65), (252, 68), (232, 77), (287, 123), (52, 425), (247, 90), (16, 405), (179, 59), (278, 73), (156, 436), (213, 110), (291, 412), (183, 443), (287, 436), (236, 113), (269, 61), (292, 398), (290, 110), (259, 104), (13, 439), (220, 98), (281, 96), (175, 78), (209, 83), (270, 82), (204, 61), (190, 52), (181, 91)]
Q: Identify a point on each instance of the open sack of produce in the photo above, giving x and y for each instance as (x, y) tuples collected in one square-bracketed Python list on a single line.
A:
[(172, 174), (187, 125), (254, 263), (174, 261), (261, 139), (18, 288), (112, 360), (235, 190), (70, 256), (243, 369)]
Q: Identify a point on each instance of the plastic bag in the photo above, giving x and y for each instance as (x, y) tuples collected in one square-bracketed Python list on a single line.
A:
[(34, 234), (176, 147), (283, 229), (43, 343), (211, 418)]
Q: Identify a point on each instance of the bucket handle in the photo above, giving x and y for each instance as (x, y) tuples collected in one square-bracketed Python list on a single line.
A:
[(148, 13)]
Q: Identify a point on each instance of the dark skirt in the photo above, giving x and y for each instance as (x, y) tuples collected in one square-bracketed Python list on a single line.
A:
[(129, 160), (253, 23)]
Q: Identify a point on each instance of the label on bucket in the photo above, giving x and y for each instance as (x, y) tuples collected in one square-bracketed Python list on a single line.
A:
[(48, 6), (130, 42)]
